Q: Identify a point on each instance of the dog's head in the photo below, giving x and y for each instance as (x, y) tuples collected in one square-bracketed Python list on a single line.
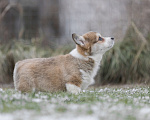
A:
[(92, 43)]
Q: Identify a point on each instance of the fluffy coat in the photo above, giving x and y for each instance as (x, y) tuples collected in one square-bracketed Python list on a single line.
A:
[(72, 72)]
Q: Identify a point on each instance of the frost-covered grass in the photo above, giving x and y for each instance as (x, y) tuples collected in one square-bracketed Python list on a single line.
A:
[(99, 104)]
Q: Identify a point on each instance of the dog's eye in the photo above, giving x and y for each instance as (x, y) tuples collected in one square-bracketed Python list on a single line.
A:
[(100, 39)]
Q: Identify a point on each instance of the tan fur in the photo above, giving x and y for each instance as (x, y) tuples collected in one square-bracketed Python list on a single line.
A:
[(52, 74), (90, 39)]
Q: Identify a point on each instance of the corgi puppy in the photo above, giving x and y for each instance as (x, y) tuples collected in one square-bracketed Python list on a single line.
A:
[(72, 72)]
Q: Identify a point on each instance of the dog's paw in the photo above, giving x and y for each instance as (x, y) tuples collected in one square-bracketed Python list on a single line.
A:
[(71, 88)]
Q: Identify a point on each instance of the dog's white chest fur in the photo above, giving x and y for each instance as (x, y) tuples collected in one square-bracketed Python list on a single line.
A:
[(87, 79), (88, 75)]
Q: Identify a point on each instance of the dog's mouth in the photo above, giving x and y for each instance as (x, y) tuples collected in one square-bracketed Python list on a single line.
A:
[(110, 46)]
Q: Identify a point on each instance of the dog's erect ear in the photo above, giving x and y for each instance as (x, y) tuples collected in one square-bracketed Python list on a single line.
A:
[(79, 40)]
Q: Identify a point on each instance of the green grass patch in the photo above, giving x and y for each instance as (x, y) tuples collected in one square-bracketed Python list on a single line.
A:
[(101, 103)]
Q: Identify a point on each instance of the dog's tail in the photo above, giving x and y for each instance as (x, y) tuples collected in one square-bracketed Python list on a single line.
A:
[(15, 74)]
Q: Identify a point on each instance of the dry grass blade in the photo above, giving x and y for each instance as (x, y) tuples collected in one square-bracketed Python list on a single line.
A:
[(144, 41)]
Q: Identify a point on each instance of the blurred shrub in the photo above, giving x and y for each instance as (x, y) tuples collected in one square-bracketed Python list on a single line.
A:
[(125, 63), (16, 51)]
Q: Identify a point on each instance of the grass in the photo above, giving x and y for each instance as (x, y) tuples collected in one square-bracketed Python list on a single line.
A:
[(101, 103)]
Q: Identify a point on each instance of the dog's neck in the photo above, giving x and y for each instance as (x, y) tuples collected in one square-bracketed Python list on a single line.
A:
[(96, 57), (78, 55)]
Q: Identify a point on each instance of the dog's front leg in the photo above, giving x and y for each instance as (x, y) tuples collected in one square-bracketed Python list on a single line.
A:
[(71, 88)]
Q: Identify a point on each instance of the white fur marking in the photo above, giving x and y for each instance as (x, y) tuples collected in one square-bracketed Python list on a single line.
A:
[(73, 88), (86, 79), (14, 74), (97, 59), (76, 54)]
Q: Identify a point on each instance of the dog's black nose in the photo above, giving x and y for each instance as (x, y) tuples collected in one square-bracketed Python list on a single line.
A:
[(112, 38)]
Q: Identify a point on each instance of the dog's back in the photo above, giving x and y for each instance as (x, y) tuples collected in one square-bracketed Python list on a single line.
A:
[(46, 74)]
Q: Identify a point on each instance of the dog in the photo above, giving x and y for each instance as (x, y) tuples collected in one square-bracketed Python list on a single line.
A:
[(72, 72)]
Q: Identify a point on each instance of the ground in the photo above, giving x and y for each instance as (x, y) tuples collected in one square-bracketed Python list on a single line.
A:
[(104, 103)]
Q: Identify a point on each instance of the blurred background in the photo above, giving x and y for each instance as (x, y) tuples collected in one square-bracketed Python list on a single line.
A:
[(43, 28)]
